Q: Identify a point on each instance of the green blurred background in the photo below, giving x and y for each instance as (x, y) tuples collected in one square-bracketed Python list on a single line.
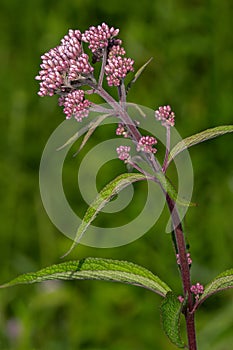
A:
[(192, 46)]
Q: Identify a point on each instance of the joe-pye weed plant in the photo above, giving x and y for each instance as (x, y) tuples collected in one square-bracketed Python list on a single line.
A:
[(95, 63)]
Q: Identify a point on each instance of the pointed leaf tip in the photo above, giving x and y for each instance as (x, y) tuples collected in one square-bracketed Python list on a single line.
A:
[(137, 74), (198, 138), (104, 196), (92, 127), (170, 313), (96, 269), (89, 128)]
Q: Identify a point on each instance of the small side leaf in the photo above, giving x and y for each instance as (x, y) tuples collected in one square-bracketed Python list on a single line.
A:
[(198, 138), (108, 192), (137, 74), (170, 313), (91, 126), (96, 269), (223, 281)]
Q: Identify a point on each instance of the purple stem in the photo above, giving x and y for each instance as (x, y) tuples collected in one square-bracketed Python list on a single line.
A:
[(168, 144), (185, 273), (122, 113), (138, 168)]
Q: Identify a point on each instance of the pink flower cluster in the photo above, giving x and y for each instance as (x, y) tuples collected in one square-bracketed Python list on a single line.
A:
[(188, 257), (146, 144), (123, 152), (75, 105), (165, 115), (99, 37), (117, 66), (116, 50), (197, 289), (121, 130), (180, 298), (79, 67), (66, 67), (63, 64)]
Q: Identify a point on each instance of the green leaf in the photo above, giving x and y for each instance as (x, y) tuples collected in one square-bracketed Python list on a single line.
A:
[(105, 195), (90, 128), (96, 269), (111, 190), (137, 75), (170, 313), (223, 281), (169, 188), (198, 138)]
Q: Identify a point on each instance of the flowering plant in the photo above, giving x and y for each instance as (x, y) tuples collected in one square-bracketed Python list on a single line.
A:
[(66, 70)]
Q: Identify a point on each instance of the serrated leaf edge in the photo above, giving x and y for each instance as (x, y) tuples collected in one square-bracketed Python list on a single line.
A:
[(178, 342), (96, 269), (198, 138)]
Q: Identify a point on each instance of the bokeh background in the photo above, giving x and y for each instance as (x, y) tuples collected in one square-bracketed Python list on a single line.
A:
[(192, 46)]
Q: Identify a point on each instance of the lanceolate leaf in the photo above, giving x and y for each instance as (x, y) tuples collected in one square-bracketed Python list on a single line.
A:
[(137, 74), (198, 138), (170, 313), (108, 192), (221, 282), (112, 189), (96, 269), (90, 128)]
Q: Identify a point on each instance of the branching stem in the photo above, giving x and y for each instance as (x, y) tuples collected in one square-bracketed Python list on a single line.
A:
[(177, 226)]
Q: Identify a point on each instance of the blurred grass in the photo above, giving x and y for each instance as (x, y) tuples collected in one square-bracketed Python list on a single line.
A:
[(192, 46)]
